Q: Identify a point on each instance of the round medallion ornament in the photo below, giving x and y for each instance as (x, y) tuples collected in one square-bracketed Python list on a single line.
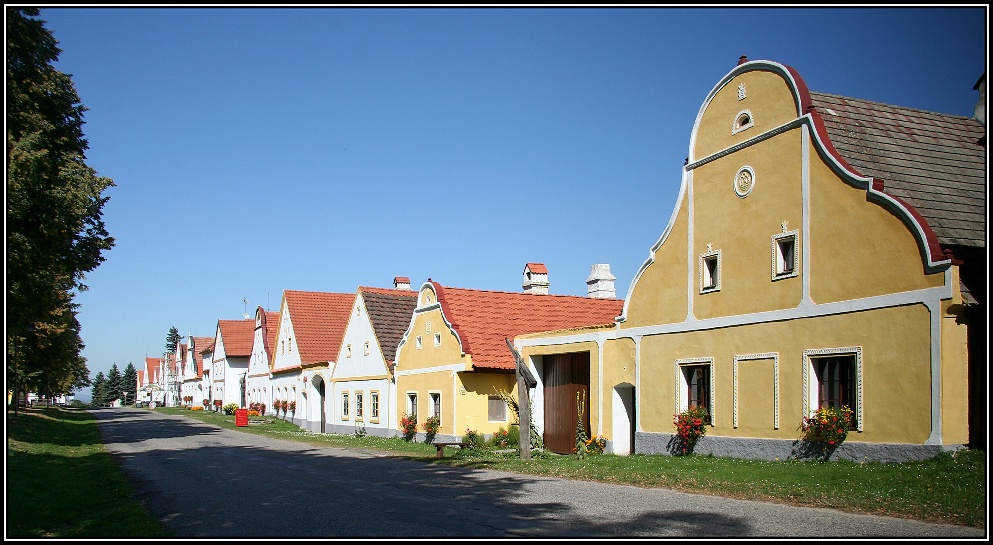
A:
[(744, 181)]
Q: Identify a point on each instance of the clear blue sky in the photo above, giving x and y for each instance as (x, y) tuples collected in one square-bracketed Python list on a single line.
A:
[(263, 149)]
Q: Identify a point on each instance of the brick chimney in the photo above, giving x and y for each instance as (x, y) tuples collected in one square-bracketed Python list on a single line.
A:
[(600, 284), (401, 283), (535, 279)]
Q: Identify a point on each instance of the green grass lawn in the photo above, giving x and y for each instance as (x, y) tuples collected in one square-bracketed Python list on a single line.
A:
[(62, 483)]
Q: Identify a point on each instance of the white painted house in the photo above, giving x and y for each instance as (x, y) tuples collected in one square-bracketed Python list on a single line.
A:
[(362, 378), (191, 365), (311, 325), (258, 383), (229, 362)]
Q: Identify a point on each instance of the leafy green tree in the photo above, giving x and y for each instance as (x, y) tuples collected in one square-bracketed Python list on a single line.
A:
[(172, 340), (55, 231), (130, 381), (99, 390)]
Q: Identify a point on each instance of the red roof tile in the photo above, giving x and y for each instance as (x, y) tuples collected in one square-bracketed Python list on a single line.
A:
[(319, 320), (484, 319), (538, 268), (237, 336)]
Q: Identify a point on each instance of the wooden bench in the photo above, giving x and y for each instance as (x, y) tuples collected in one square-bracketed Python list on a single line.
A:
[(441, 447)]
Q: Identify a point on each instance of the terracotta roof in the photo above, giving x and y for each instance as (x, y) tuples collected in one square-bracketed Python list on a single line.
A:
[(484, 319), (198, 353), (271, 322), (237, 336), (933, 162), (319, 320), (389, 312), (538, 268)]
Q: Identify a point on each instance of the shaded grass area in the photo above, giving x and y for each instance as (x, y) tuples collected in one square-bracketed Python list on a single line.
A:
[(62, 483), (949, 489)]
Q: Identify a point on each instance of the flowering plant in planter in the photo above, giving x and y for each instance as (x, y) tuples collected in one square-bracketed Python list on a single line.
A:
[(595, 445), (432, 425), (828, 425), (293, 406), (408, 425), (690, 427), (217, 404), (206, 403)]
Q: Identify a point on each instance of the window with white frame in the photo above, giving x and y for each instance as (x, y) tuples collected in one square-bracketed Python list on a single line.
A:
[(344, 405), (694, 382), (358, 405), (436, 405), (417, 342), (348, 350), (710, 270), (365, 348), (374, 406), (437, 339), (785, 255), (497, 409), (742, 121), (412, 404), (834, 377)]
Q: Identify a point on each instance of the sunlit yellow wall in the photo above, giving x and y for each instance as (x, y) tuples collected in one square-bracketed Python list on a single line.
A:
[(858, 249), (895, 371), (659, 297), (618, 368), (473, 404), (954, 376), (742, 228), (766, 96)]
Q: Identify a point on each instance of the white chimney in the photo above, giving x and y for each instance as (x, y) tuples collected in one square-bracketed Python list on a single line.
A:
[(535, 279), (600, 284), (981, 104), (401, 283)]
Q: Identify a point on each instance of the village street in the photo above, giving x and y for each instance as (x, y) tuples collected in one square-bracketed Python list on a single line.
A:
[(203, 481)]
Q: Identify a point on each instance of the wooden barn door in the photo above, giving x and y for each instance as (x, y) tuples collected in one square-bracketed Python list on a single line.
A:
[(564, 376)]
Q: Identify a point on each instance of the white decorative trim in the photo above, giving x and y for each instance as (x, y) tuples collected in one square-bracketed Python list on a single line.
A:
[(710, 254), (744, 181), (774, 356), (808, 378), (456, 368), (750, 142), (795, 235), (679, 385), (737, 127), (741, 91)]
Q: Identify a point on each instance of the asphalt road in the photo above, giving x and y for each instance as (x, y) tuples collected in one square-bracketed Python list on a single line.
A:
[(204, 481)]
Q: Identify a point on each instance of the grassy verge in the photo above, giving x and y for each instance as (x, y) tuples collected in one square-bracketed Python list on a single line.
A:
[(62, 483), (949, 489)]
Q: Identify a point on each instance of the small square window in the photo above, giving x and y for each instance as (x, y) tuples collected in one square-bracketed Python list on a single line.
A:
[(785, 255), (365, 348), (437, 339), (497, 409), (710, 271), (348, 350), (417, 342)]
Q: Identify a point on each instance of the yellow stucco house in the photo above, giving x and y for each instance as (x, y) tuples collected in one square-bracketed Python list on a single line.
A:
[(823, 251), (453, 358)]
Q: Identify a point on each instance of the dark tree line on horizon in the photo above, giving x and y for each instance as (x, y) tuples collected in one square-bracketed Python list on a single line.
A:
[(55, 230)]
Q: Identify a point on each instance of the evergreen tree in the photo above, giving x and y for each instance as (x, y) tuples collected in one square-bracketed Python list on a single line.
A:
[(115, 383), (55, 231), (99, 390), (130, 381), (172, 340)]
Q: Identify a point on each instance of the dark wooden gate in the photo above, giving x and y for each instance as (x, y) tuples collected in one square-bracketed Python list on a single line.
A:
[(565, 375)]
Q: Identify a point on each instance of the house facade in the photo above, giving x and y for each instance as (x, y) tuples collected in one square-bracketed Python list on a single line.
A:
[(233, 341), (453, 361), (193, 386), (794, 273), (257, 381), (308, 338), (362, 393)]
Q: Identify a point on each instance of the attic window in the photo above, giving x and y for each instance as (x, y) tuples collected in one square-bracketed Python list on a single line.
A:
[(710, 271), (742, 121)]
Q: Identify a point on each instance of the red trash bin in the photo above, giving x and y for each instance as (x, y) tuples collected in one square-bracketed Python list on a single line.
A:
[(241, 417)]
